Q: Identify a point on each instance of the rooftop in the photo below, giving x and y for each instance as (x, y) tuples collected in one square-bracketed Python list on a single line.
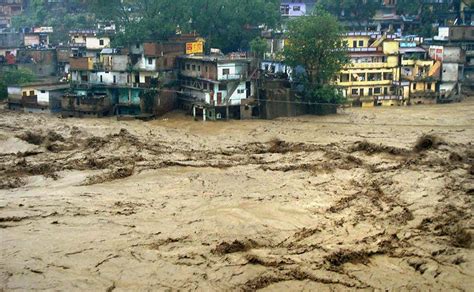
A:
[(216, 58)]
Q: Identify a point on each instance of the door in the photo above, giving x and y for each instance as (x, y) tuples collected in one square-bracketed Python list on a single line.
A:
[(219, 97)]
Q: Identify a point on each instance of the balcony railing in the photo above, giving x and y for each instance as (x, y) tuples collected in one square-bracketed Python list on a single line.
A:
[(374, 65), (97, 83), (231, 77)]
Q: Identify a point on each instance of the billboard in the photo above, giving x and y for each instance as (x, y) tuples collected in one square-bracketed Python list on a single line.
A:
[(194, 48)]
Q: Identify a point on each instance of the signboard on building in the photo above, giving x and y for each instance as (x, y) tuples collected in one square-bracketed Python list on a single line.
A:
[(436, 52), (407, 45), (194, 48), (43, 29)]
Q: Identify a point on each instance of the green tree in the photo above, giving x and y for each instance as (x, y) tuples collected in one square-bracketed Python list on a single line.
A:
[(315, 42), (226, 24), (258, 46), (62, 16), (13, 76)]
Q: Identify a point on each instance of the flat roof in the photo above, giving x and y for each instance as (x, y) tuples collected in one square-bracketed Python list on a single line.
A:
[(412, 50), (215, 58), (54, 87)]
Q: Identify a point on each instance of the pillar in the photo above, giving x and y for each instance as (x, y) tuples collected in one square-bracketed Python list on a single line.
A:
[(204, 112), (194, 112)]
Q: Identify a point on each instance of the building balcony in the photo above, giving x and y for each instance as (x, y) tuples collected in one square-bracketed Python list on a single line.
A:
[(375, 65), (228, 77), (420, 63), (95, 83), (365, 83)]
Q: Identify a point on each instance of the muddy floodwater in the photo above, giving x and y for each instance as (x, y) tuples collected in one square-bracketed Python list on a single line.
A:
[(368, 199)]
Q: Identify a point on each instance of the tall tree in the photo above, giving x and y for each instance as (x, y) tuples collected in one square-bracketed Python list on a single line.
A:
[(315, 43), (227, 24)]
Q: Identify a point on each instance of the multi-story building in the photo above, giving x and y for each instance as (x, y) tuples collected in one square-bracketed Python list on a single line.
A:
[(295, 8), (125, 74), (384, 70), (218, 85), (8, 9), (454, 47), (369, 78)]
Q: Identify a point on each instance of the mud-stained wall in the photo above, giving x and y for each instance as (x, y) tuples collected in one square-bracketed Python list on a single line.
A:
[(159, 102), (277, 100)]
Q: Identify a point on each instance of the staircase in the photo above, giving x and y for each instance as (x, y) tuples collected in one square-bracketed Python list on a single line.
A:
[(434, 70), (230, 92), (379, 41)]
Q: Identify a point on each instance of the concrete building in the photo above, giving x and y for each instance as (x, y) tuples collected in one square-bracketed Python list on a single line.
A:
[(386, 70), (8, 9), (454, 47), (295, 8), (123, 74), (9, 45), (38, 97), (216, 85)]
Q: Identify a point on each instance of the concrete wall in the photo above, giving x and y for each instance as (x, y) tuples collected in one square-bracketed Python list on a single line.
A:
[(32, 40), (453, 55), (276, 100), (93, 42), (450, 72), (236, 70), (295, 9), (119, 63), (108, 78)]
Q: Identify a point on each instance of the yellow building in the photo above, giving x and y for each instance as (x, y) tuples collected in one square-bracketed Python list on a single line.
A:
[(377, 62), (421, 74)]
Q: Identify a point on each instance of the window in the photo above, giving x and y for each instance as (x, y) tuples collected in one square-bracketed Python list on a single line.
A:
[(24, 93), (194, 67), (206, 68), (385, 90), (188, 67), (44, 91), (374, 76), (199, 68), (296, 8), (101, 79), (387, 76), (354, 44), (370, 91), (32, 92), (344, 78), (414, 86), (361, 43), (429, 86), (377, 90), (285, 9), (137, 46), (225, 71), (101, 42), (150, 61), (355, 91), (240, 91), (361, 92), (222, 87), (115, 79)]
